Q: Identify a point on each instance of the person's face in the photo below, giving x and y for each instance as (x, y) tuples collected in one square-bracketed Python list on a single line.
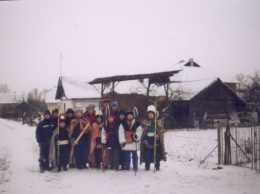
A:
[(98, 119), (70, 114), (55, 114), (106, 104), (130, 117), (79, 114), (114, 108), (110, 119), (122, 117), (150, 115), (47, 116), (91, 111), (62, 124)]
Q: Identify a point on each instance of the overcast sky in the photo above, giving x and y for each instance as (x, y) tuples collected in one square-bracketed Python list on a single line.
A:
[(102, 38)]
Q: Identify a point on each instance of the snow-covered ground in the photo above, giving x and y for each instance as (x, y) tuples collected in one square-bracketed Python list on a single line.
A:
[(181, 173)]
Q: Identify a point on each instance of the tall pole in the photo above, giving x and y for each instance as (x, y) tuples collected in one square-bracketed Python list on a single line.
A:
[(61, 64), (155, 123)]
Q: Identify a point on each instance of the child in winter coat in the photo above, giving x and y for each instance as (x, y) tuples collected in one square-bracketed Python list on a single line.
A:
[(78, 135), (109, 137)]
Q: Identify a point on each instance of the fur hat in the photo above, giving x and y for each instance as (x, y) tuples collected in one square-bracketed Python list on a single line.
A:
[(78, 110), (151, 108), (46, 111)]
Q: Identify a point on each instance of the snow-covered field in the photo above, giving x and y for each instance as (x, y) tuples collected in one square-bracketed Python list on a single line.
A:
[(181, 173)]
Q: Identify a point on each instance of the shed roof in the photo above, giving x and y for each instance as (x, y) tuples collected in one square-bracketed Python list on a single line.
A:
[(165, 74), (188, 90)]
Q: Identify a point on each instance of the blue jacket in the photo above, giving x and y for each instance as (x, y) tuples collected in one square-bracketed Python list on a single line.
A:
[(44, 131)]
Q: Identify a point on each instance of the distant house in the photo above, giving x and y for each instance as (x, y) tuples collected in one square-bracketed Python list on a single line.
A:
[(200, 95), (76, 92), (8, 102)]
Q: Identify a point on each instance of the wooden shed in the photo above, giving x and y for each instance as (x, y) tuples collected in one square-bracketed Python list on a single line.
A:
[(203, 100)]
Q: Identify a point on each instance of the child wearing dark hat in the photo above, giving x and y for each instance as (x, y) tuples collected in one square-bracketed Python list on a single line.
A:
[(69, 116), (54, 116), (59, 151)]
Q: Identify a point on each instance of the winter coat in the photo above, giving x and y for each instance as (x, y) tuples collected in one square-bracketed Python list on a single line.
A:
[(91, 118), (109, 135), (135, 129), (75, 130), (44, 131), (148, 127), (58, 135)]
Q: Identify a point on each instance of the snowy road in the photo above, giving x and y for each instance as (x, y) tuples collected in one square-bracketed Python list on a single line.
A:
[(20, 173)]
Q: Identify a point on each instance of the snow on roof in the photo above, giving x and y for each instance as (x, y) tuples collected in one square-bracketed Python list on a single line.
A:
[(191, 72), (9, 98), (187, 90), (50, 97), (78, 88)]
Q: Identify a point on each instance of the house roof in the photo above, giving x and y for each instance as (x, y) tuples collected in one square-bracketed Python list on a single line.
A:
[(191, 71), (76, 88), (10, 98)]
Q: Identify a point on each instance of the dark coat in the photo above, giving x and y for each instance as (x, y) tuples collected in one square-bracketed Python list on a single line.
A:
[(112, 137), (44, 131)]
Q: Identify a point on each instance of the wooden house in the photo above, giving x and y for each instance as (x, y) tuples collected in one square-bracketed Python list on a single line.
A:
[(8, 102)]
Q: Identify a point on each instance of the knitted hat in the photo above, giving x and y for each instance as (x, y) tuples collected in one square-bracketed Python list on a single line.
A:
[(78, 110), (121, 112), (114, 104), (46, 111), (90, 106), (129, 112), (69, 110)]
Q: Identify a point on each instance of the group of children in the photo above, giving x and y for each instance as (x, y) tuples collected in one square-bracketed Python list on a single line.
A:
[(109, 138)]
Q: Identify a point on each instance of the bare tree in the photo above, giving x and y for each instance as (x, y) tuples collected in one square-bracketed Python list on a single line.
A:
[(4, 88), (36, 99), (249, 88)]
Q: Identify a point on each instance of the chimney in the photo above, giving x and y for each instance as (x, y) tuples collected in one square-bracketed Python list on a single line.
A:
[(191, 62)]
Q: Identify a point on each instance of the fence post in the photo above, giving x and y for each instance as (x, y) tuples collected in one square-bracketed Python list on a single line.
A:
[(219, 145)]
